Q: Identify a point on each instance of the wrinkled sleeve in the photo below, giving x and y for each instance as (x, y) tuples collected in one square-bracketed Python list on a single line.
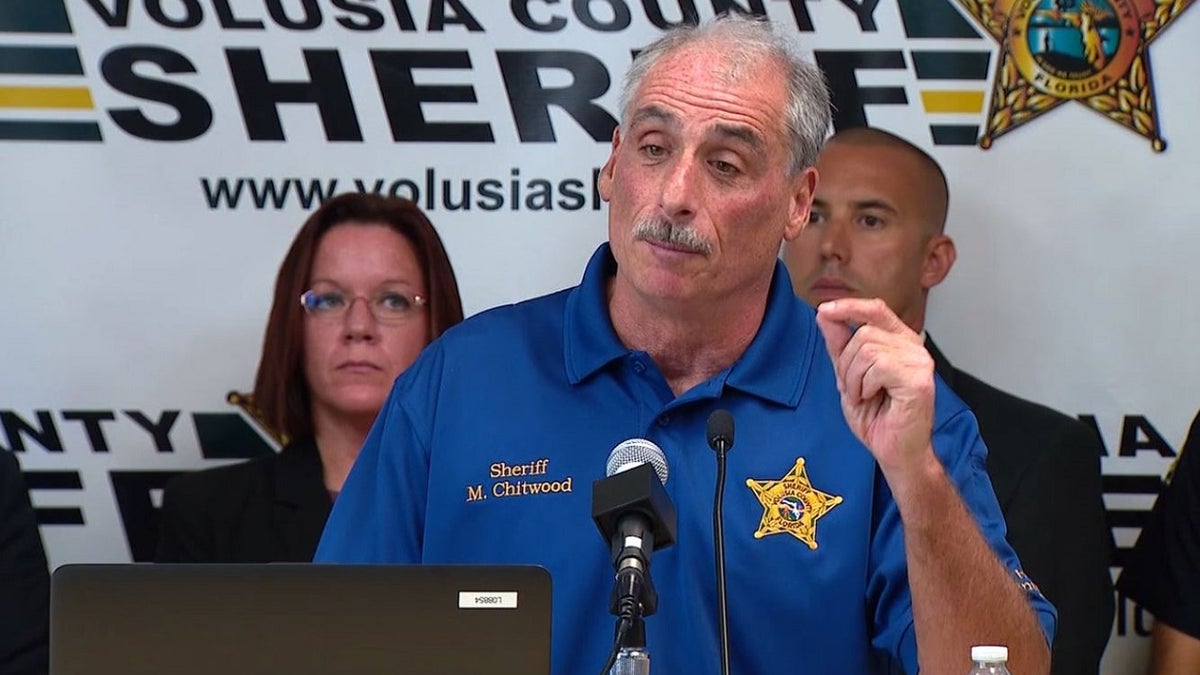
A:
[(379, 515), (962, 452)]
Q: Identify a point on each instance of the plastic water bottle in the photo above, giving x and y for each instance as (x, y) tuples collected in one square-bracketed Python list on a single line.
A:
[(632, 661), (989, 660)]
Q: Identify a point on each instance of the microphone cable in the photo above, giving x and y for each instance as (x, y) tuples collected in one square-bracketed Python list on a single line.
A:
[(720, 439), (622, 629)]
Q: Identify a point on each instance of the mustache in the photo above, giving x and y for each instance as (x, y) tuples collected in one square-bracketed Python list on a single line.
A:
[(664, 231)]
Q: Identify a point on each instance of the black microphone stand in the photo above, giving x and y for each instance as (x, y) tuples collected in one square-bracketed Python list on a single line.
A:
[(720, 439), (634, 514)]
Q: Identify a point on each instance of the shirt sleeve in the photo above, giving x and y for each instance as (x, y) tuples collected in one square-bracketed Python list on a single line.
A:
[(964, 456), (379, 515), (1163, 570)]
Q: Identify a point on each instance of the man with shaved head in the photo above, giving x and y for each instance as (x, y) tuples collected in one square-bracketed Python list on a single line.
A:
[(877, 231)]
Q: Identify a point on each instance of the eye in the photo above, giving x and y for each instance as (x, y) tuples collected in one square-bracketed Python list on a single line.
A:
[(816, 217), (725, 168), (653, 151), (324, 302), (394, 302), (872, 222)]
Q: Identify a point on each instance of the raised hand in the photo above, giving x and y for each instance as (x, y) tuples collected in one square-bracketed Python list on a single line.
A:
[(885, 377)]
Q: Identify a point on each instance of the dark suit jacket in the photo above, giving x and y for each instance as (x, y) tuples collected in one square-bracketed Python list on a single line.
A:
[(1045, 469), (270, 509), (24, 579)]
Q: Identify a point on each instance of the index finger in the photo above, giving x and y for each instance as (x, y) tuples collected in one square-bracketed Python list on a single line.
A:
[(862, 311), (837, 332)]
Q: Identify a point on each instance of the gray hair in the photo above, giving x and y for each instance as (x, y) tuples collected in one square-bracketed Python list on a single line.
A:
[(749, 41)]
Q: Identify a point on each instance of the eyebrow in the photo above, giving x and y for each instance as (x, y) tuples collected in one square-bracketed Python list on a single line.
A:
[(860, 204), (741, 133), (653, 113), (386, 282), (733, 131)]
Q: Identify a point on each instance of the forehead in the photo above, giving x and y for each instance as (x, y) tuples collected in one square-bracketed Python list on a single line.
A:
[(851, 172), (699, 83), (361, 247)]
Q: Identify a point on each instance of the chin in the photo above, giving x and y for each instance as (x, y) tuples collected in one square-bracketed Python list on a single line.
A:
[(361, 402)]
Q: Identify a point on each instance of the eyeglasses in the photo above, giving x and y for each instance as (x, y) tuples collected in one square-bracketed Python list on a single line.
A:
[(386, 305)]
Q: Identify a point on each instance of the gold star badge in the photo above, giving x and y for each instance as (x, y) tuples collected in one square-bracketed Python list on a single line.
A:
[(1091, 51), (791, 504)]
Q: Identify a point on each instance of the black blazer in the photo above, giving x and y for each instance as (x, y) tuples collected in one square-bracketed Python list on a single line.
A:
[(269, 509), (1045, 469), (24, 579)]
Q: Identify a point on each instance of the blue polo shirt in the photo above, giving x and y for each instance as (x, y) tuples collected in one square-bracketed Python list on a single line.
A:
[(487, 447)]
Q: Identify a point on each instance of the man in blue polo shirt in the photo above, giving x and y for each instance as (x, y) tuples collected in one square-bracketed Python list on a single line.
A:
[(861, 529)]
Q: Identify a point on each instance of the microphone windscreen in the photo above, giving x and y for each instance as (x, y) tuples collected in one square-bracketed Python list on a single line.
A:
[(720, 429), (636, 451)]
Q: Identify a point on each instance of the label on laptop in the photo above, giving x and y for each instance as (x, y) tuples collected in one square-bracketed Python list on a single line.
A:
[(487, 600)]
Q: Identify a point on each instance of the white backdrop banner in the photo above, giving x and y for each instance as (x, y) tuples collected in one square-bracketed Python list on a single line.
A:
[(159, 155)]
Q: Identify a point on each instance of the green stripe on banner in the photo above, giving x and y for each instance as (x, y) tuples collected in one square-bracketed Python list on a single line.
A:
[(228, 436), (954, 134), (22, 130), (34, 16), (40, 61), (934, 19), (950, 65)]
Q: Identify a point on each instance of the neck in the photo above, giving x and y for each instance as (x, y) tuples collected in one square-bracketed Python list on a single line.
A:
[(338, 439), (688, 341)]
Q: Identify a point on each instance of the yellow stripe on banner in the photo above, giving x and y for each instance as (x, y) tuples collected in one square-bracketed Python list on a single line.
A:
[(46, 97), (942, 101)]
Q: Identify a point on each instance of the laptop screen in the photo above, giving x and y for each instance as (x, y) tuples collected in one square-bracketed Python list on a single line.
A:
[(299, 619)]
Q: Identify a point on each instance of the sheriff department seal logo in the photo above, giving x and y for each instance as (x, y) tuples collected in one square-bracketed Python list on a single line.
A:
[(1090, 51), (791, 504)]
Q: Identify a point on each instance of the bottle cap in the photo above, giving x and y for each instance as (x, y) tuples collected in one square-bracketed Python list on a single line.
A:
[(989, 653)]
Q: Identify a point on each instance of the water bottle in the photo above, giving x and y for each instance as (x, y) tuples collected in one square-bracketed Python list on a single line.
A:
[(632, 661), (989, 660)]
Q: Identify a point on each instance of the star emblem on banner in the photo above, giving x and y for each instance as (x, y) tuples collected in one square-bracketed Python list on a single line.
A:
[(1091, 51), (792, 505)]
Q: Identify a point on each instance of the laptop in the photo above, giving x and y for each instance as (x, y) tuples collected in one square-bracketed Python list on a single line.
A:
[(299, 619)]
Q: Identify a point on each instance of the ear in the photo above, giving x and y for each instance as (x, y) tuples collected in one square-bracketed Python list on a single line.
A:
[(940, 255), (804, 186), (607, 172)]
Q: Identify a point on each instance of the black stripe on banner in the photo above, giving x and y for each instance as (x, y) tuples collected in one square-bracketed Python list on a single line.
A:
[(1127, 518), (954, 134), (40, 61), (22, 130), (53, 480), (950, 65), (65, 515), (34, 16), (1138, 484)]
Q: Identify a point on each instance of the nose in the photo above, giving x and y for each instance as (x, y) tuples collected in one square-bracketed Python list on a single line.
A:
[(679, 189), (834, 242), (359, 323)]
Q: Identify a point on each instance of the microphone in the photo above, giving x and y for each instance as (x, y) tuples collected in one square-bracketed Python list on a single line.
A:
[(636, 451), (720, 431), (636, 517), (720, 438)]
